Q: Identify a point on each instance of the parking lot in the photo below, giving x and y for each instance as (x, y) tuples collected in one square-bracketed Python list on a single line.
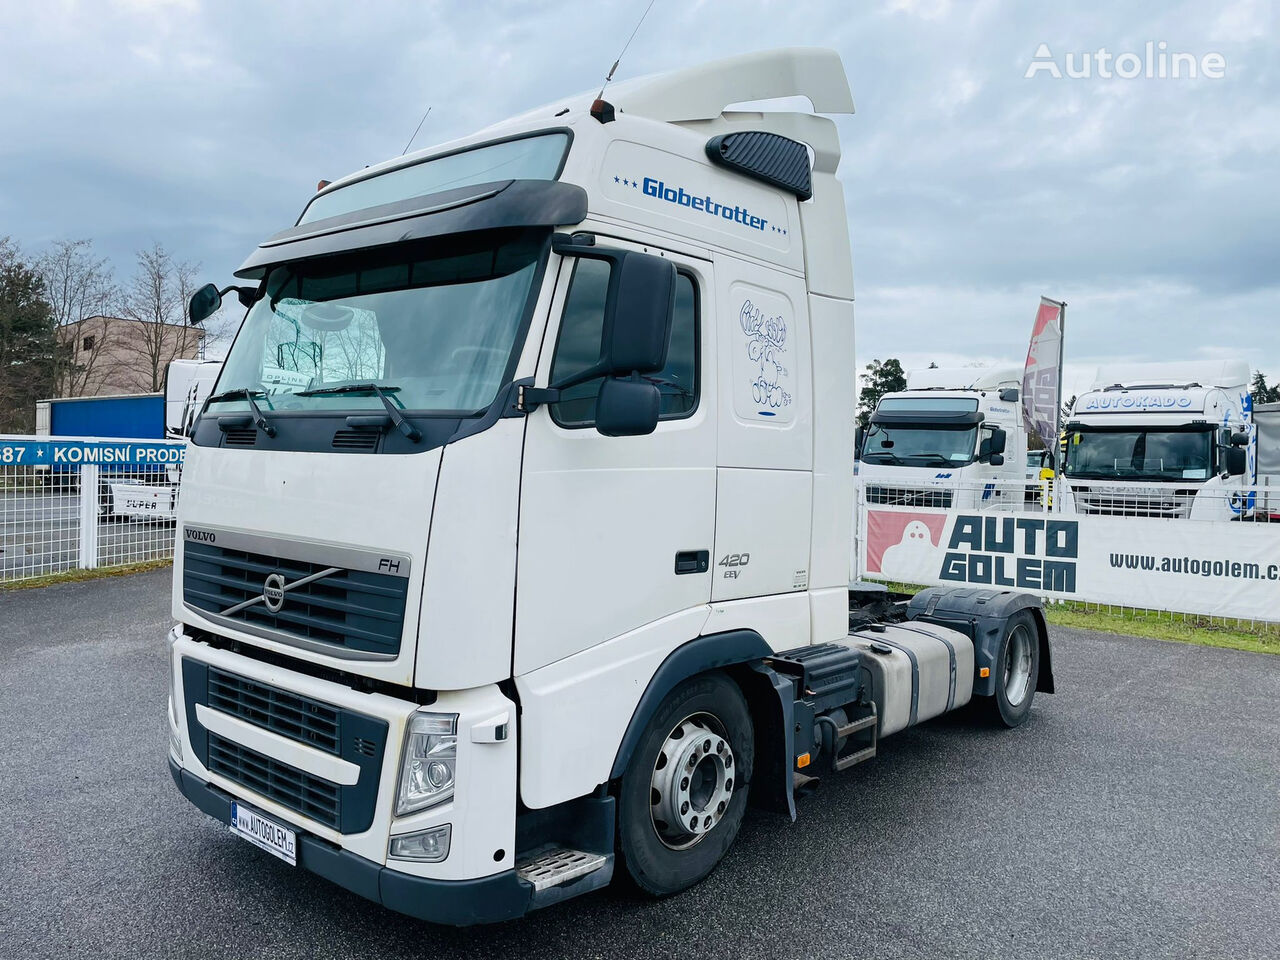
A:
[(1136, 815)]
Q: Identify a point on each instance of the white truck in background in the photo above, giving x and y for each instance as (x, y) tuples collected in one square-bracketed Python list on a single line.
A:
[(187, 384), (540, 571), (954, 439), (1173, 440), (1266, 422)]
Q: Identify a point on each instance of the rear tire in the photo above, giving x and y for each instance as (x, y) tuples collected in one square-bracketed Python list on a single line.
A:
[(1017, 669), (684, 791)]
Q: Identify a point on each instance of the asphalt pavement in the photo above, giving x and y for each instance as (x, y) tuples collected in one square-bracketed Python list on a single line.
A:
[(1137, 814)]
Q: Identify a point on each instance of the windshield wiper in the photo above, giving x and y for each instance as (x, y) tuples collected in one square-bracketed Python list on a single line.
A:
[(404, 426), (888, 458), (942, 461), (242, 393)]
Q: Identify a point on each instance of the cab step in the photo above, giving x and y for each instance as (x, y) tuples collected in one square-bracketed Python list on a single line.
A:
[(548, 866), (866, 730)]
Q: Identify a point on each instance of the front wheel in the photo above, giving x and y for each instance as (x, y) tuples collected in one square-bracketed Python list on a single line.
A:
[(1017, 670), (684, 791)]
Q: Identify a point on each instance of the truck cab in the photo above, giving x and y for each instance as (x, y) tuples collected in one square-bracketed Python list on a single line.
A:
[(1163, 440), (514, 535), (953, 438)]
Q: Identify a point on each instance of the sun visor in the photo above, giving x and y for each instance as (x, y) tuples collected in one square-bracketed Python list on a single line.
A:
[(928, 418), (484, 206)]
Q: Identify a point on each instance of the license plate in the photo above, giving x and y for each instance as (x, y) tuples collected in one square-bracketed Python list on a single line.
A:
[(267, 834)]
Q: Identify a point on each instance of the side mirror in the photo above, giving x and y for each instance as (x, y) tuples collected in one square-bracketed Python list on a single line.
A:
[(998, 440), (205, 302), (992, 447), (1234, 460), (997, 460), (637, 314), (627, 408), (1009, 395), (1239, 439)]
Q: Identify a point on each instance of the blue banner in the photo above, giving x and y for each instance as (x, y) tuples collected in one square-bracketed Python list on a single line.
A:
[(74, 453)]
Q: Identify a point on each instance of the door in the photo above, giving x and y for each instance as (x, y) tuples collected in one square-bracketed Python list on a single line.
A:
[(615, 532)]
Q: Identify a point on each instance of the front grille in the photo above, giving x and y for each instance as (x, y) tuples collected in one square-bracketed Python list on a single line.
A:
[(298, 718), (288, 786), (356, 738), (1176, 505), (908, 496), (354, 609)]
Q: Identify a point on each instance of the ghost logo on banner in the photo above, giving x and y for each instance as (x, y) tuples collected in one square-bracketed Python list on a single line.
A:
[(905, 556), (902, 545)]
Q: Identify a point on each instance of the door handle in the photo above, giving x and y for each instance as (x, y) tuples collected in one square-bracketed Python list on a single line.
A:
[(693, 561)]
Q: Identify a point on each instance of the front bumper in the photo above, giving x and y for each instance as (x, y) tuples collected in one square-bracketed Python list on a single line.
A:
[(459, 903)]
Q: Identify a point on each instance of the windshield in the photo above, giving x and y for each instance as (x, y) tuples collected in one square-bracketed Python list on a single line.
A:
[(528, 158), (1140, 454), (434, 325), (919, 446)]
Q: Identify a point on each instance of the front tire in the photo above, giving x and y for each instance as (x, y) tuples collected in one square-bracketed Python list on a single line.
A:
[(1017, 671), (684, 792)]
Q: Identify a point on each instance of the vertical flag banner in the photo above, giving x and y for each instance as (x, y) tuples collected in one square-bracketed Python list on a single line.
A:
[(1042, 376)]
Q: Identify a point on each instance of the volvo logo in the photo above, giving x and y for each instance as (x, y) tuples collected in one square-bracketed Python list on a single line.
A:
[(273, 592)]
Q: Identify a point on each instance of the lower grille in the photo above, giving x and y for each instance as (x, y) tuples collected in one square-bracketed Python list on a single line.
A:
[(356, 738), (288, 786), (298, 718)]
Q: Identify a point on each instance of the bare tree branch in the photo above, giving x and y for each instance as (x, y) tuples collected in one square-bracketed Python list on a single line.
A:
[(156, 300), (82, 293)]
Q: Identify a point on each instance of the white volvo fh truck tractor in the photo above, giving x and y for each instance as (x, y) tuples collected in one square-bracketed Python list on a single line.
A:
[(953, 439), (1170, 440), (514, 547)]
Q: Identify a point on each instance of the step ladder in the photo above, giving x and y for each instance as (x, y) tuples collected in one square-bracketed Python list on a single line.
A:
[(861, 737)]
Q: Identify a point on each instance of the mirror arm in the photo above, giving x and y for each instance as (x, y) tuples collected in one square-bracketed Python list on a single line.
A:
[(529, 398)]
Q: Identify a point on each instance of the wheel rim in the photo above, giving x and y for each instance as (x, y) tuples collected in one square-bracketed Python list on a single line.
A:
[(1017, 665), (693, 781)]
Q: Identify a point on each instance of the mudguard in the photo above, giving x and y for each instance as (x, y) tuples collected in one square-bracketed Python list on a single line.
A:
[(982, 615)]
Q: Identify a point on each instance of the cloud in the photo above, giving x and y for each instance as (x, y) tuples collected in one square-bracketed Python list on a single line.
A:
[(1149, 205)]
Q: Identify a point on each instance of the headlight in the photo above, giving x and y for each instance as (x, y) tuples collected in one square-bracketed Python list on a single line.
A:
[(428, 765)]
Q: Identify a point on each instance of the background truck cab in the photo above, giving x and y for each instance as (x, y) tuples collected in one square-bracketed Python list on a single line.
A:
[(1163, 440), (954, 437)]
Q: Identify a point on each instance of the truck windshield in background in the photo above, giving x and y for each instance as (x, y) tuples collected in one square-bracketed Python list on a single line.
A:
[(1140, 454), (920, 446), (538, 157), (435, 325), (924, 443)]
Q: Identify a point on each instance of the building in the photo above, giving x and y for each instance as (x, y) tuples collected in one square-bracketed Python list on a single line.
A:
[(107, 356)]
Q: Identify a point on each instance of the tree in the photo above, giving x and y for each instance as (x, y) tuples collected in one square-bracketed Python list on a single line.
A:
[(156, 299), (1262, 392), (82, 294), (28, 341), (880, 378)]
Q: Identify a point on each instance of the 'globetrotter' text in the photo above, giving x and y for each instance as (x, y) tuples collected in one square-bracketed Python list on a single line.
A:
[(704, 204)]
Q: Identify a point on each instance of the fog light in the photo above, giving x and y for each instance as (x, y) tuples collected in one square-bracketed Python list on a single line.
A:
[(428, 846)]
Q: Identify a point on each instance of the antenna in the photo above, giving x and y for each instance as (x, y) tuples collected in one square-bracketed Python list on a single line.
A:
[(639, 22), (415, 132)]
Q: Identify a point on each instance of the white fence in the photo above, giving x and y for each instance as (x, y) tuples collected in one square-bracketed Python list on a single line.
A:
[(1038, 543), (68, 503)]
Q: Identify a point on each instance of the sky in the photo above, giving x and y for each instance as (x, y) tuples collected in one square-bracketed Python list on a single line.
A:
[(1151, 205)]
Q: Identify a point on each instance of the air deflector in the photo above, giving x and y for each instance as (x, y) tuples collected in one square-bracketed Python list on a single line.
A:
[(775, 159)]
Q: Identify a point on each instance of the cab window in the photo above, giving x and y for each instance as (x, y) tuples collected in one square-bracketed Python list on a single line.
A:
[(578, 347)]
